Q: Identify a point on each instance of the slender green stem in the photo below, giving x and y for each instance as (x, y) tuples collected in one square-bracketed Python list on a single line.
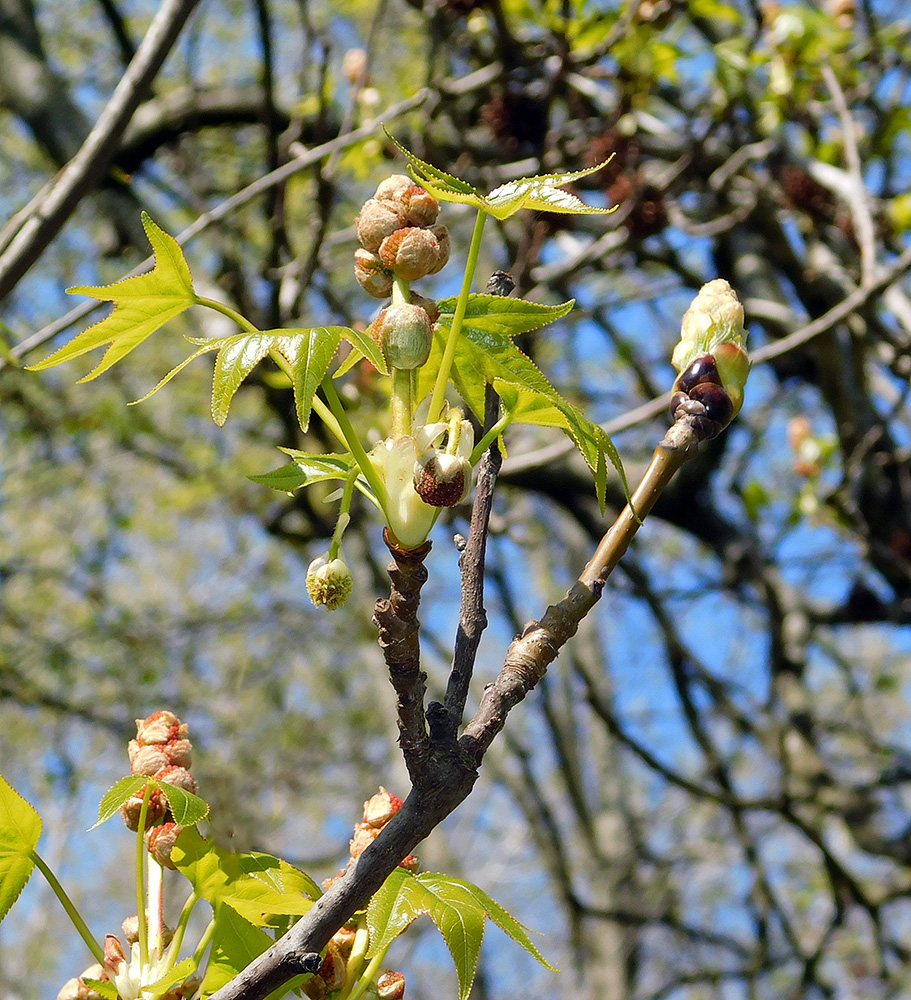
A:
[(204, 942), (402, 401), (489, 438), (68, 905), (439, 386), (358, 951), (181, 929), (140, 877), (343, 516), (241, 321), (351, 440), (368, 975)]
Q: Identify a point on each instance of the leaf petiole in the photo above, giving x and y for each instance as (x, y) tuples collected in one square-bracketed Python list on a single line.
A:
[(349, 436), (488, 439), (181, 929), (439, 386), (140, 877), (68, 905), (368, 975), (241, 321)]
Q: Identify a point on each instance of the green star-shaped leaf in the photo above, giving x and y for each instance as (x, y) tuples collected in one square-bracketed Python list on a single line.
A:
[(541, 192), (142, 304)]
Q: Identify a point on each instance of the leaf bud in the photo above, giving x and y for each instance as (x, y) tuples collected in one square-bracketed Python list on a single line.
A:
[(343, 939), (412, 253), (404, 332), (390, 985), (363, 837), (410, 863), (372, 274), (421, 208), (376, 221), (329, 582), (392, 188), (442, 480), (332, 971), (714, 318), (159, 841)]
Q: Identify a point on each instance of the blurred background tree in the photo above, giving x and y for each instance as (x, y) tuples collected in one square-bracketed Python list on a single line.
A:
[(709, 795)]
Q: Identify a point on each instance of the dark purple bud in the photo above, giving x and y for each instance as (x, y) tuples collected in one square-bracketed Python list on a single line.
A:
[(717, 403), (702, 370)]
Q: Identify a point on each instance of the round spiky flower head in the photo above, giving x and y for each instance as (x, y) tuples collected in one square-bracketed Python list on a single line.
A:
[(329, 582)]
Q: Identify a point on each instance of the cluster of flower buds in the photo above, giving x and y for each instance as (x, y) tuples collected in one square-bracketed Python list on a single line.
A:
[(712, 361), (398, 236), (130, 974), (378, 810), (329, 582), (161, 750)]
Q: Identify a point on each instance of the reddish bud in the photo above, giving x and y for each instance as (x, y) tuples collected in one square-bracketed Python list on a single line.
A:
[(343, 939), (410, 863), (372, 274), (160, 840), (114, 955), (378, 220), (132, 808), (179, 752), (428, 305), (441, 234), (380, 808), (147, 759), (180, 777), (363, 837), (390, 985), (392, 188), (421, 208), (411, 253), (159, 727), (332, 971)]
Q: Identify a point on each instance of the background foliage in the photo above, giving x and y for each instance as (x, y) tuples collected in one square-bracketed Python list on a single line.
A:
[(708, 797)]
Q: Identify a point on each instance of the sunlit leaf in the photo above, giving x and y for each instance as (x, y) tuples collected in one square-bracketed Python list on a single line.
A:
[(142, 305), (20, 828), (235, 943), (176, 977), (186, 807), (499, 314), (540, 192), (103, 987), (305, 470), (308, 353), (458, 909)]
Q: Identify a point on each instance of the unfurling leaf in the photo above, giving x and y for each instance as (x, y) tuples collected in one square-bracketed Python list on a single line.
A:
[(458, 909), (186, 808), (541, 192), (306, 469), (142, 305), (307, 352), (20, 828)]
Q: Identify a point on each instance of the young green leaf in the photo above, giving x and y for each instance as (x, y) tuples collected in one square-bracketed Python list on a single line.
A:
[(457, 908), (235, 943), (541, 192), (505, 316), (186, 808), (117, 794), (142, 305), (307, 469), (176, 977), (307, 352), (20, 828), (255, 885), (103, 987)]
